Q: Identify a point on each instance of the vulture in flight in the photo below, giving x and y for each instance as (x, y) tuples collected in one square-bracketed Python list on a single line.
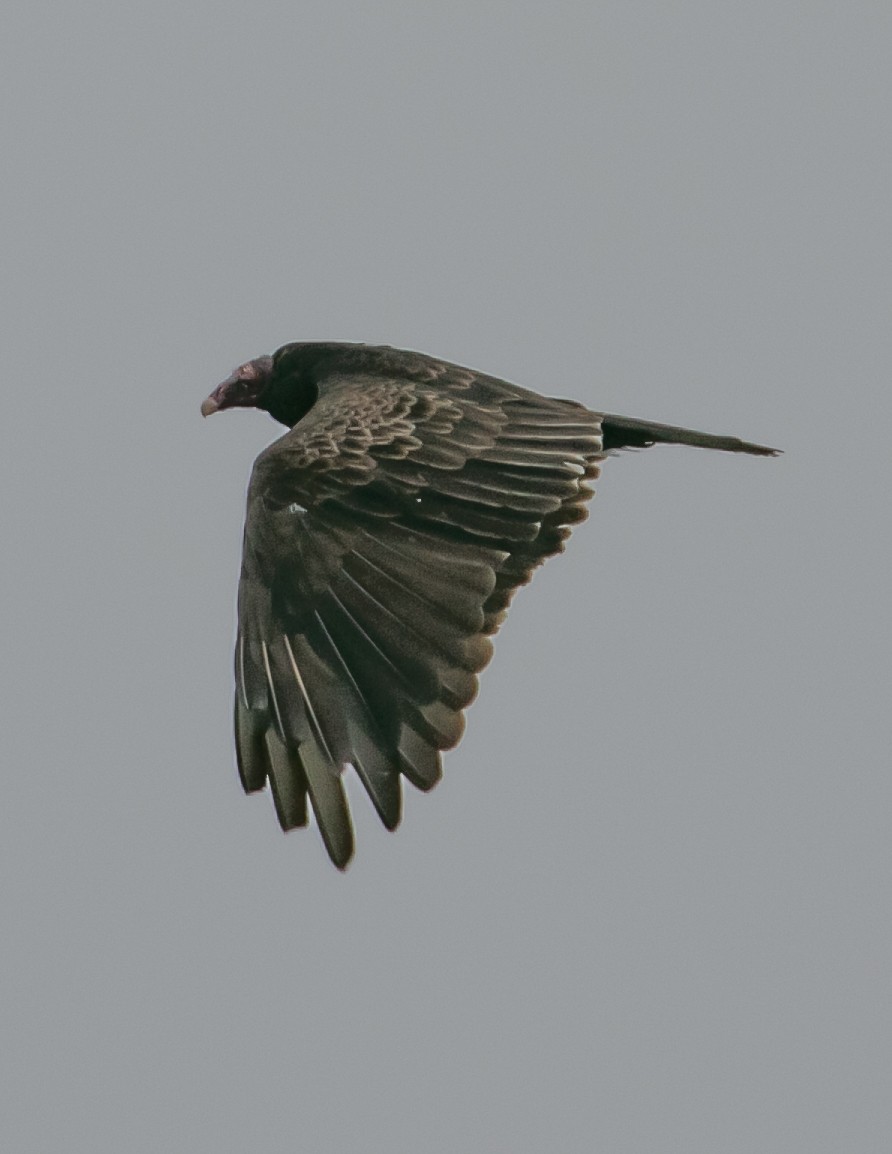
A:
[(386, 532)]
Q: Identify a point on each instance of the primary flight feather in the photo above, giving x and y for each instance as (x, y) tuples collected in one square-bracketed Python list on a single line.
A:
[(386, 533)]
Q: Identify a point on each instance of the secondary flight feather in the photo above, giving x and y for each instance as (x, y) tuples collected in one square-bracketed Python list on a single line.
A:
[(386, 533)]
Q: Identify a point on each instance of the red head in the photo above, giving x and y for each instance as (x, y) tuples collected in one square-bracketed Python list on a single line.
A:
[(242, 390)]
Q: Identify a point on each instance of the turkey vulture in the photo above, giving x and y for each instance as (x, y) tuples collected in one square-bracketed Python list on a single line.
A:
[(386, 533)]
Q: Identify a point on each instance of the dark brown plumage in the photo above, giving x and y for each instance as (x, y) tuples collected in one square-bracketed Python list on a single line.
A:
[(385, 536)]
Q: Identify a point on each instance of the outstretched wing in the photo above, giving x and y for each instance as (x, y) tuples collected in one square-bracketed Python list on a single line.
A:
[(386, 534)]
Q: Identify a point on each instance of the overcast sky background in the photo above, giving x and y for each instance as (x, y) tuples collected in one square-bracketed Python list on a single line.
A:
[(648, 908)]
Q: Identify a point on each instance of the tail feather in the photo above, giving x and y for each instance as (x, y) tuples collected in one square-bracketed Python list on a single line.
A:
[(629, 433)]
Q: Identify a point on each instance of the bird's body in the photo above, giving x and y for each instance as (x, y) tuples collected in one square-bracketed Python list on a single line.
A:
[(385, 536)]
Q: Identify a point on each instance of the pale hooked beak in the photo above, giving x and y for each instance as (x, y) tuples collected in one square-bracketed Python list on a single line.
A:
[(218, 397)]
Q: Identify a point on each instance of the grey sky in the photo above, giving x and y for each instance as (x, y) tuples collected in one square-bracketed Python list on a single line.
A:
[(648, 908)]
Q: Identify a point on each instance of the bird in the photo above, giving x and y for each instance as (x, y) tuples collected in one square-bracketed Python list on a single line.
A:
[(385, 536)]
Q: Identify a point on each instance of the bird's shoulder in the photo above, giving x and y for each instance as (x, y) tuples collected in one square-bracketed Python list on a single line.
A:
[(378, 406)]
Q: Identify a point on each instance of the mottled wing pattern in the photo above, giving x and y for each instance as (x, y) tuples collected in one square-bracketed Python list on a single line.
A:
[(386, 534)]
